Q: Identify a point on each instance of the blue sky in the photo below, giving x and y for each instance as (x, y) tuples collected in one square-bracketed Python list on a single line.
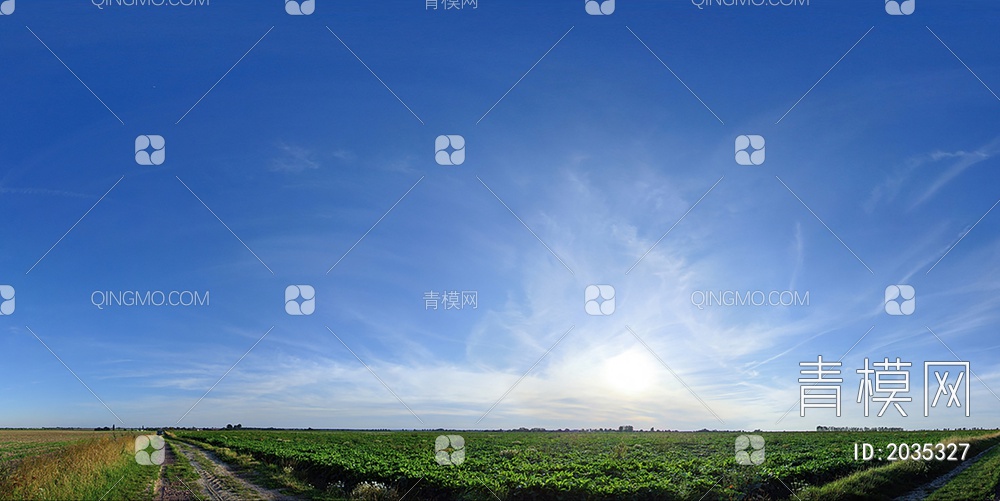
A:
[(871, 176)]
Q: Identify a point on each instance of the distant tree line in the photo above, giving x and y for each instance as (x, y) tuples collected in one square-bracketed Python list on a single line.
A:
[(855, 428)]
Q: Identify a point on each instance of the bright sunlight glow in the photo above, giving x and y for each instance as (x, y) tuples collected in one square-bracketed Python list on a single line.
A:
[(631, 373)]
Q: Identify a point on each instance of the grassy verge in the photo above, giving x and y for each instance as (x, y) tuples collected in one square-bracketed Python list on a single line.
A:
[(977, 482), (100, 468), (180, 473), (895, 479)]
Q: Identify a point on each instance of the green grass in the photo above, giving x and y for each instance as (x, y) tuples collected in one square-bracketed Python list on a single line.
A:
[(895, 479), (978, 482), (124, 481), (181, 473), (569, 466)]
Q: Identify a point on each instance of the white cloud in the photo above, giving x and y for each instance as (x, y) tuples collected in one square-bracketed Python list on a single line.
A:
[(941, 166), (294, 159)]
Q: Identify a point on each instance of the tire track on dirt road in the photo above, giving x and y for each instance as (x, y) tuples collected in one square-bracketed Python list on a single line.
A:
[(927, 489), (218, 482)]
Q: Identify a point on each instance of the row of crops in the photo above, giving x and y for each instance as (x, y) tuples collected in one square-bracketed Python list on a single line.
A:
[(556, 465)]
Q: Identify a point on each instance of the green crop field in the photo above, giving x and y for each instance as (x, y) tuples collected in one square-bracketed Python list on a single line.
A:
[(396, 465), (578, 465)]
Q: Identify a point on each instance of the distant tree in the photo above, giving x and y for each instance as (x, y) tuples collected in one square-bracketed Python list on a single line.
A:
[(239, 426), (229, 426)]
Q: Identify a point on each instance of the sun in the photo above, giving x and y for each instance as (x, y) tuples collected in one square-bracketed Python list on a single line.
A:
[(630, 373)]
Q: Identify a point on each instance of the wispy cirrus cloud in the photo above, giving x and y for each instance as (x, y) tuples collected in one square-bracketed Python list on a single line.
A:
[(42, 191), (294, 159), (941, 166), (960, 161)]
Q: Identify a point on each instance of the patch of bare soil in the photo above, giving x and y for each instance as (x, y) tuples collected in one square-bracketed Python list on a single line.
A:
[(217, 480), (925, 490)]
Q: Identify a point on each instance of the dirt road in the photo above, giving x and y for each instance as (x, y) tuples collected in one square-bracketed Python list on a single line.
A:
[(217, 481), (925, 490)]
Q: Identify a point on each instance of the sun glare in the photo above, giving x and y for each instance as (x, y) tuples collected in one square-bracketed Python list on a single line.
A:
[(630, 373)]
